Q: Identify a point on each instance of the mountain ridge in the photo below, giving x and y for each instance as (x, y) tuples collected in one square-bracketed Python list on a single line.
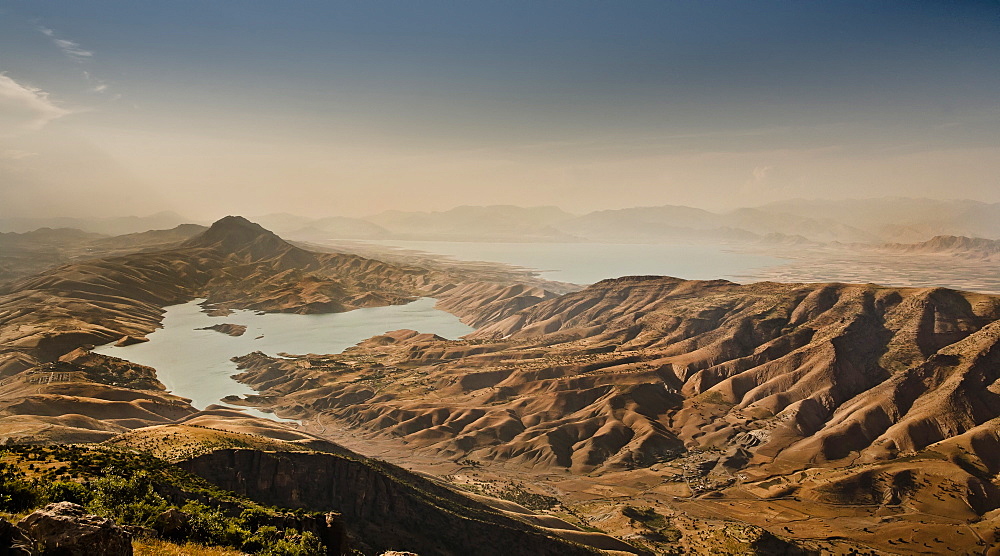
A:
[(741, 388)]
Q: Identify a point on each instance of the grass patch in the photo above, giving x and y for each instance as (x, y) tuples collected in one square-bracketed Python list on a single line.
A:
[(160, 547)]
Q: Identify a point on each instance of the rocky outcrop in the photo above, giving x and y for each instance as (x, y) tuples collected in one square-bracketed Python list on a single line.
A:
[(66, 528), (13, 541), (383, 506), (173, 524)]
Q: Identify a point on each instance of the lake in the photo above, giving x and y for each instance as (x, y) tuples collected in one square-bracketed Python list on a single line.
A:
[(196, 364), (586, 263)]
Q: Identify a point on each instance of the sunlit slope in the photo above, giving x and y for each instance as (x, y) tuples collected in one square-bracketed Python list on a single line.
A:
[(765, 378)]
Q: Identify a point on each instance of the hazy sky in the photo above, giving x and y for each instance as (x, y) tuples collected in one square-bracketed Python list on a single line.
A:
[(350, 108)]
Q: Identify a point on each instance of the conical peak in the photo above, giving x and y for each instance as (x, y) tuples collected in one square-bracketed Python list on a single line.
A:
[(234, 233), (236, 223)]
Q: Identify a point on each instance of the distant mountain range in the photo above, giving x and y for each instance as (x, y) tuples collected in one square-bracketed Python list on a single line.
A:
[(800, 221), (958, 246), (26, 253), (901, 219), (112, 226), (874, 221)]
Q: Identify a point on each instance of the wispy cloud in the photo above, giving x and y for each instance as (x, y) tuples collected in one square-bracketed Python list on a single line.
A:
[(72, 49), (96, 85), (25, 108), (68, 47)]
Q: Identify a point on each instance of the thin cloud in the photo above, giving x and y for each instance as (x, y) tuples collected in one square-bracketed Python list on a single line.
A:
[(96, 85), (25, 108), (68, 47), (72, 49)]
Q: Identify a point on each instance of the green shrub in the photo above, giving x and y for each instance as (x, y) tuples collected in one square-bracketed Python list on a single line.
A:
[(295, 544), (211, 526), (123, 487), (262, 538), (16, 493), (130, 501), (68, 491), (253, 517)]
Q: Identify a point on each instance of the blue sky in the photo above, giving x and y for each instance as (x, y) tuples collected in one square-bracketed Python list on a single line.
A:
[(356, 107)]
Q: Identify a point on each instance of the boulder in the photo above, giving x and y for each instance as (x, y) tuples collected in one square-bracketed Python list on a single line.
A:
[(66, 528), (173, 524), (13, 541)]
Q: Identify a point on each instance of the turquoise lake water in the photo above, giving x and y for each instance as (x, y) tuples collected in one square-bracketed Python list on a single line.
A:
[(196, 364)]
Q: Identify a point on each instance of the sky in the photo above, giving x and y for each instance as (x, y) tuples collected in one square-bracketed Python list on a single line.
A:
[(324, 108)]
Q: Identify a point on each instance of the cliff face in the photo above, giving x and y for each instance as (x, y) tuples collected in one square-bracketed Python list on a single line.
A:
[(382, 506)]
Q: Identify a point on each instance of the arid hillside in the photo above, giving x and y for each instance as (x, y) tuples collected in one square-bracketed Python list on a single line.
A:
[(829, 394)]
